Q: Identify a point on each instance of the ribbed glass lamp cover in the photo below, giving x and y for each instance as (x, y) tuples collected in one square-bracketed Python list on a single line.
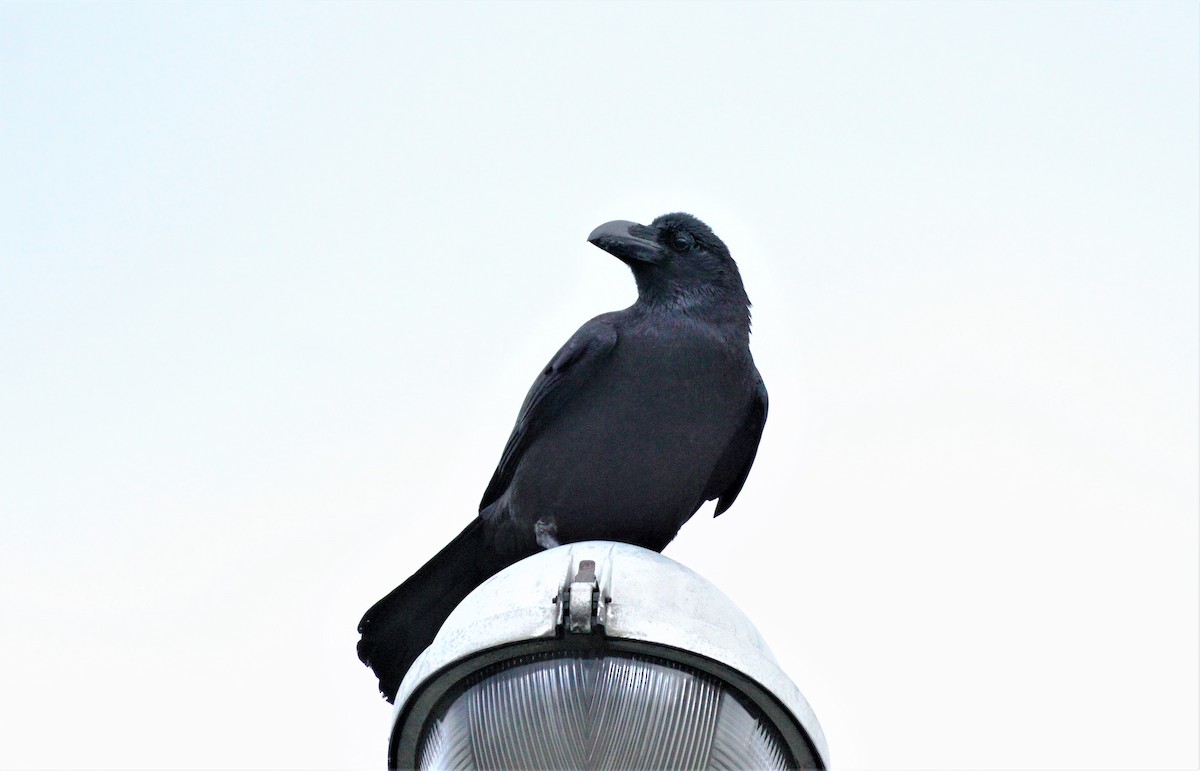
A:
[(610, 712)]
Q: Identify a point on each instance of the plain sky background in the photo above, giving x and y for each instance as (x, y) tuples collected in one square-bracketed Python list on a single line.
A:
[(274, 279)]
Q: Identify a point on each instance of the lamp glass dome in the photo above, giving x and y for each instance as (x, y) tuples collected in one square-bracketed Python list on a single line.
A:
[(596, 712)]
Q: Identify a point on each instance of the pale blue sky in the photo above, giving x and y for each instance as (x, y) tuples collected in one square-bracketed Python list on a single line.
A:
[(274, 279)]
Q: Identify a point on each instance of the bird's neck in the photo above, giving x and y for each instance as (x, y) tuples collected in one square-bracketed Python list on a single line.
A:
[(724, 307)]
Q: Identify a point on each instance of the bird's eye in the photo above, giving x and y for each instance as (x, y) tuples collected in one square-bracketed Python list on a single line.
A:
[(682, 241)]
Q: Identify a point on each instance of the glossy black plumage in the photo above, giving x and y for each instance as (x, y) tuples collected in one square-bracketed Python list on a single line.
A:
[(641, 417)]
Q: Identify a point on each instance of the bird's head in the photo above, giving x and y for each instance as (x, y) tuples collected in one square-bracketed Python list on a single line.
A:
[(680, 263)]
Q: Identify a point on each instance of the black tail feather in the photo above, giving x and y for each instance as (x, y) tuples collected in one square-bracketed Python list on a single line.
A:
[(401, 625)]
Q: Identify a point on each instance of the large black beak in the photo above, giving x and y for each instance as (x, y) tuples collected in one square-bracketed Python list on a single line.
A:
[(628, 241)]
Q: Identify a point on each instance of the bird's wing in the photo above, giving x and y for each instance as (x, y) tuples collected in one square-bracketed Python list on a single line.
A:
[(571, 367), (734, 465)]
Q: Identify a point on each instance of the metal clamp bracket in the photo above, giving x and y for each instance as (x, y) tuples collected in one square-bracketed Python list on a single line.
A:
[(583, 606)]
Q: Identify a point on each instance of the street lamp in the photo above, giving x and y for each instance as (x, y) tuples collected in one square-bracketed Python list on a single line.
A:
[(600, 655)]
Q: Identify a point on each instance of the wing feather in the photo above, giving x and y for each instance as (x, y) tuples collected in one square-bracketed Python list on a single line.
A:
[(571, 367), (734, 465)]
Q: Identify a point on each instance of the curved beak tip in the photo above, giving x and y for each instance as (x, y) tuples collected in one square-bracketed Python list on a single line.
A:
[(614, 229)]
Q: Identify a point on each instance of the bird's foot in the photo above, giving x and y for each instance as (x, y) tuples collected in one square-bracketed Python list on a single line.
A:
[(545, 530)]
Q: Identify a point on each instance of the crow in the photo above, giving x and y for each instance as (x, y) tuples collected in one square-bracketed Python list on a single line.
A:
[(641, 417)]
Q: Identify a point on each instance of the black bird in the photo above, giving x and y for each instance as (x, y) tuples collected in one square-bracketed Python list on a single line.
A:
[(643, 415)]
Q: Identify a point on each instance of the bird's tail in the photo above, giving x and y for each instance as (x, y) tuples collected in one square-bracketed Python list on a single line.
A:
[(401, 625)]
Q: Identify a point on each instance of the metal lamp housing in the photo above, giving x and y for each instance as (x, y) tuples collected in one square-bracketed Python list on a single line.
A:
[(599, 601)]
